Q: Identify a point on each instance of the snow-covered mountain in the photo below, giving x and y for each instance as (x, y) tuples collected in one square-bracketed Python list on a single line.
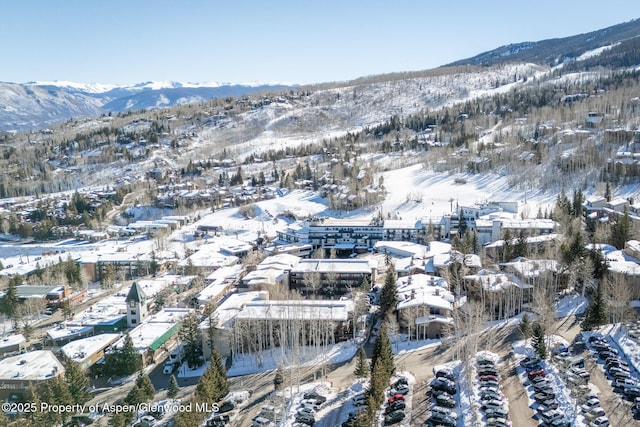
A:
[(36, 105)]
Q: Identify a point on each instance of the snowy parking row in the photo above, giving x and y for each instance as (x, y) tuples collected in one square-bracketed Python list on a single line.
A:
[(548, 394), (617, 368)]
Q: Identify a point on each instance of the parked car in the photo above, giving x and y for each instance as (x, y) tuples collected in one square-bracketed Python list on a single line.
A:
[(528, 361), (536, 373), (315, 396), (305, 419), (548, 404), (631, 393), (497, 422), (445, 373), (541, 397), (359, 400), (594, 413), (590, 404), (446, 401), (488, 371), (494, 404), (306, 411), (399, 382), (395, 397), (440, 420), (560, 422), (402, 389), (443, 411), (600, 422), (395, 406), (496, 413), (226, 406), (489, 395), (550, 415), (444, 384), (394, 417), (489, 378)]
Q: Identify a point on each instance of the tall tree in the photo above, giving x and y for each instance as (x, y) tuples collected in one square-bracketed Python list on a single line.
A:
[(77, 382), (538, 340), (191, 335), (172, 388), (525, 327), (10, 300), (362, 366), (383, 353), (621, 230), (143, 382), (223, 381), (389, 293), (596, 313)]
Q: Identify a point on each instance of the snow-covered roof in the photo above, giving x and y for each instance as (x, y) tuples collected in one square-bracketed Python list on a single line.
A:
[(84, 348), (297, 310), (423, 289), (532, 268), (12, 340), (334, 265), (34, 366), (401, 248), (494, 282), (63, 331)]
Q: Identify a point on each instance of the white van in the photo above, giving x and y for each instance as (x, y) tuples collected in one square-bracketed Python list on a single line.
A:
[(177, 355)]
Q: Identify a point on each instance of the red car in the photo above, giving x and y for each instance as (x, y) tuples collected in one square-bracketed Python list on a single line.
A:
[(536, 373), (395, 398)]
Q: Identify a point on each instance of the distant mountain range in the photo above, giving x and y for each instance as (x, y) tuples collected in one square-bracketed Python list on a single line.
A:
[(35, 105), (553, 52)]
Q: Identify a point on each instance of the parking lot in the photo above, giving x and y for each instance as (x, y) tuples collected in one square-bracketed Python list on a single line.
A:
[(422, 362)]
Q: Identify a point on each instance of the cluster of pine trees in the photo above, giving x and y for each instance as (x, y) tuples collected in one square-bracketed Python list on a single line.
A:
[(68, 389), (212, 387)]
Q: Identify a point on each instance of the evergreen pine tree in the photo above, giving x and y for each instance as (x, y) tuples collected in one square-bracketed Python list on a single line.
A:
[(607, 192), (521, 248), (389, 293), (462, 224), (143, 382), (507, 247), (77, 382), (362, 366), (10, 299), (596, 313), (188, 418), (383, 354), (172, 388), (525, 327), (37, 417), (362, 420), (223, 381), (621, 230), (191, 335), (538, 340), (129, 358)]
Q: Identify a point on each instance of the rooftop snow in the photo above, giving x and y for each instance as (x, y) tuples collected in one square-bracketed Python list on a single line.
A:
[(81, 349), (33, 365)]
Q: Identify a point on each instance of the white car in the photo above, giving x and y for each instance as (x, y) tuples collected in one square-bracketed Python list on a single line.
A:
[(600, 422), (590, 404), (594, 413)]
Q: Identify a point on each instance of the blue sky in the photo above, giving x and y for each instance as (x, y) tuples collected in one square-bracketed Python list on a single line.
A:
[(126, 42)]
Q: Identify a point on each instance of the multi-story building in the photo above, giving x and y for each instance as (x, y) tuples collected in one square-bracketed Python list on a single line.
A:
[(331, 276)]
